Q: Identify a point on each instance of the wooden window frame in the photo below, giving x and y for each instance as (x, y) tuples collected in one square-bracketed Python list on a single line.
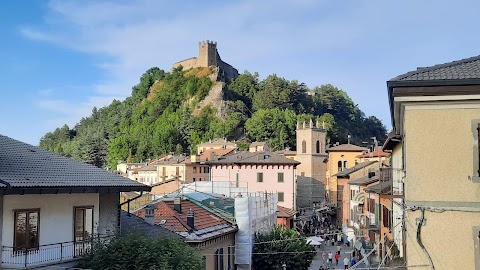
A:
[(30, 210)]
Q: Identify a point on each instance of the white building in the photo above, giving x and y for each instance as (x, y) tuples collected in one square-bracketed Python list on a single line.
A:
[(52, 206)]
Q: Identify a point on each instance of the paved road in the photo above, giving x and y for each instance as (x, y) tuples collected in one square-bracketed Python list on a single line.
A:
[(317, 261)]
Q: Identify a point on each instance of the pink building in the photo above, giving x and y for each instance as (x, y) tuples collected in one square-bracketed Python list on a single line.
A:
[(262, 171)]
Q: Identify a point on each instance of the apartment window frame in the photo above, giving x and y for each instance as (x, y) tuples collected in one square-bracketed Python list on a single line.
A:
[(280, 177), (317, 147), (27, 245), (259, 177), (282, 197), (194, 169), (304, 147)]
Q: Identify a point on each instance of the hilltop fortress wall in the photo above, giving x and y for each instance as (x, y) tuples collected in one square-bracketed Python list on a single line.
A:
[(208, 57)]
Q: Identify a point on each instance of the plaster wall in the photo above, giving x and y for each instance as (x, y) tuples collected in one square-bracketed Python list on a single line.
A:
[(56, 214), (440, 155), (451, 239), (171, 171), (108, 213), (248, 174), (397, 188)]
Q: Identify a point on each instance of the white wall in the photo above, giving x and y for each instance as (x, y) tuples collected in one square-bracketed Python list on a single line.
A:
[(56, 214)]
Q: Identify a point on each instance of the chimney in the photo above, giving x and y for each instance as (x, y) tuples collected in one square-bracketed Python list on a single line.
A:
[(177, 204), (150, 214), (191, 219)]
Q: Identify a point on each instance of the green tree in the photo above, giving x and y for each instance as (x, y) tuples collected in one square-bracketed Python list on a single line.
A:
[(135, 251), (278, 247)]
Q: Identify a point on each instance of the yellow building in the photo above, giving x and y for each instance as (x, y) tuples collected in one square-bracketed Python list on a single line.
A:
[(340, 157), (436, 111)]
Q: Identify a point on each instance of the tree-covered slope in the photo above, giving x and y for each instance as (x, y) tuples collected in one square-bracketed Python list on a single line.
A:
[(158, 117)]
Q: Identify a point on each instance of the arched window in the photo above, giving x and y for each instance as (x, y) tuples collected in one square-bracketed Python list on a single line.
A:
[(340, 166), (318, 147), (304, 147), (345, 164)]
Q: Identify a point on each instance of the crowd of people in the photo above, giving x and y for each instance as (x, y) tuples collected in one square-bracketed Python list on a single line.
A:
[(334, 237)]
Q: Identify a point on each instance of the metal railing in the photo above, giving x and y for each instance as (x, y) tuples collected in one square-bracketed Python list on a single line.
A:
[(44, 254)]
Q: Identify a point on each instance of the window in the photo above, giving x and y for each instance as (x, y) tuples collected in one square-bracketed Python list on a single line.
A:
[(237, 179), (385, 216), (219, 259), (478, 149), (340, 166), (304, 147), (280, 177), (83, 223), (194, 169), (281, 196), (371, 205), (26, 232), (345, 164), (318, 147), (260, 177), (194, 179)]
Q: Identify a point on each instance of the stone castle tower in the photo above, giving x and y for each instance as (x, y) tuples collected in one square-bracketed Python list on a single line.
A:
[(311, 142), (207, 53), (208, 57)]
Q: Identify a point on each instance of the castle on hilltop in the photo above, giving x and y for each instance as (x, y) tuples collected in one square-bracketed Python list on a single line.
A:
[(208, 57)]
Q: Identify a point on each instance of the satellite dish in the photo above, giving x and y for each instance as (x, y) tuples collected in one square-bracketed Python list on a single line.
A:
[(358, 245)]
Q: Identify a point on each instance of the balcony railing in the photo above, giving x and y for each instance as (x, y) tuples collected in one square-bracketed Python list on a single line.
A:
[(45, 254)]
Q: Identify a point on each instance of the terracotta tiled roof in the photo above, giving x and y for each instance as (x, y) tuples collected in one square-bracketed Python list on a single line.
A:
[(378, 153), (285, 212), (346, 148), (208, 153), (176, 221)]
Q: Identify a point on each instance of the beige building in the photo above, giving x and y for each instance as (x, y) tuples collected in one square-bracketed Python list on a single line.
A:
[(217, 144), (436, 111), (340, 158), (311, 171)]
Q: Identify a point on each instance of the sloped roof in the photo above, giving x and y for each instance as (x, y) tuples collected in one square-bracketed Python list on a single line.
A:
[(464, 69), (380, 188), (132, 223), (378, 153), (245, 157), (207, 223), (346, 147), (26, 166), (355, 168), (285, 212), (364, 180)]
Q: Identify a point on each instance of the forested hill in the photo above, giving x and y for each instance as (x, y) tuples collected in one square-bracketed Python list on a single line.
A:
[(163, 115)]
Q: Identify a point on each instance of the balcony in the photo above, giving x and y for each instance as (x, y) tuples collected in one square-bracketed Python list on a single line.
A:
[(21, 258)]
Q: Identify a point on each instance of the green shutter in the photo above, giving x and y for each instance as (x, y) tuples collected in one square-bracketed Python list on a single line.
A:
[(280, 177)]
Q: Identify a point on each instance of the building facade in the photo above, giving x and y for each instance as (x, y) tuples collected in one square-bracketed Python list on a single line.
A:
[(311, 170), (436, 112)]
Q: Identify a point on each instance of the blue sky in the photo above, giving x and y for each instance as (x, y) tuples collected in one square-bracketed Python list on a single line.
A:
[(61, 58)]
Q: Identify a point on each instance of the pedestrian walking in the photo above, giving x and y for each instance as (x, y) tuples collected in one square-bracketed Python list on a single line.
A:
[(337, 257), (330, 258), (333, 240), (339, 248), (353, 261), (346, 262)]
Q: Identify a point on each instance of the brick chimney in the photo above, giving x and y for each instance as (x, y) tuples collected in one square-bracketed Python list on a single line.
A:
[(177, 204), (191, 219)]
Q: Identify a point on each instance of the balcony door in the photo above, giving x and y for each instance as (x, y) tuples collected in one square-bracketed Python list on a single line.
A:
[(83, 229)]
